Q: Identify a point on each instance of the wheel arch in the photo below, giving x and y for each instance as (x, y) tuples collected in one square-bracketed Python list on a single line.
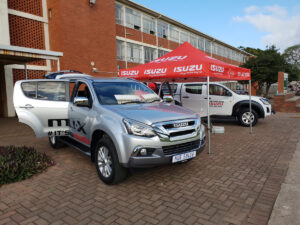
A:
[(97, 135), (245, 104)]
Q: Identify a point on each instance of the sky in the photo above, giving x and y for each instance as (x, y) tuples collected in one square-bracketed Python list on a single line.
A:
[(248, 23)]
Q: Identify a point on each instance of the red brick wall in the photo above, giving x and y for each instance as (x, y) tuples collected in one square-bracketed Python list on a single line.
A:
[(26, 33), (19, 74), (149, 39), (280, 82), (29, 6), (84, 34)]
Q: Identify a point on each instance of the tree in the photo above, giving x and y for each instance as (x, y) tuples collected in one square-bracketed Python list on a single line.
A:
[(292, 58), (265, 67), (292, 55), (253, 51)]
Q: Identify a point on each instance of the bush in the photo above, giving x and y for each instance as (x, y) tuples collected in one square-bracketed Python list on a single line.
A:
[(19, 163)]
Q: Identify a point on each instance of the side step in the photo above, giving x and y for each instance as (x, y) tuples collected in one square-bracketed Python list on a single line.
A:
[(75, 144)]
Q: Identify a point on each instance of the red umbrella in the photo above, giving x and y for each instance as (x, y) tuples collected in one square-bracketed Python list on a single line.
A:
[(186, 63)]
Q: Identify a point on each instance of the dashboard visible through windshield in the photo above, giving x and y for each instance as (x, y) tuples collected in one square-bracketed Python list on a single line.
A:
[(117, 93)]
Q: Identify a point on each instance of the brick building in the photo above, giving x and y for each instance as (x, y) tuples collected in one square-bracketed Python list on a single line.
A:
[(96, 37)]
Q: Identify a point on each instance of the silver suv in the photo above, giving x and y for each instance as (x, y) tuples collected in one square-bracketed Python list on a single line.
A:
[(119, 123)]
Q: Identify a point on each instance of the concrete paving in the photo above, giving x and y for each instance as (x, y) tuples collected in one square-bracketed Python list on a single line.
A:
[(287, 206)]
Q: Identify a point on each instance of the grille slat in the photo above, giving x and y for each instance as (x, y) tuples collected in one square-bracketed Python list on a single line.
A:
[(180, 148), (180, 133)]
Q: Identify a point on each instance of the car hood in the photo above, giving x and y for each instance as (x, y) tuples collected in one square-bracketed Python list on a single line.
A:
[(152, 113), (246, 97)]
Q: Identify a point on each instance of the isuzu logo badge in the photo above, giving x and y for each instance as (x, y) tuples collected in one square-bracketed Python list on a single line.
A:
[(183, 124)]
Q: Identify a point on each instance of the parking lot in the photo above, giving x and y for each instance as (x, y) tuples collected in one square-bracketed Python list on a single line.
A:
[(237, 184)]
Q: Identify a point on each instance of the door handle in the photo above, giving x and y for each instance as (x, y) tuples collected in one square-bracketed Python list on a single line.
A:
[(209, 98), (185, 97), (27, 106)]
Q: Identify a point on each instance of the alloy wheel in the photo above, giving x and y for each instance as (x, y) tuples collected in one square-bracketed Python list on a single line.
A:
[(104, 162)]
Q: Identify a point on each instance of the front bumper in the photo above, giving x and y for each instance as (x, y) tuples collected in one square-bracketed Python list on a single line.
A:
[(159, 157)]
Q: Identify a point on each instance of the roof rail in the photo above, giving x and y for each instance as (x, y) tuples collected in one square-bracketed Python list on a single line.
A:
[(52, 75)]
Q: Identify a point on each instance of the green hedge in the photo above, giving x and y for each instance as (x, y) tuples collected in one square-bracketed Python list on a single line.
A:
[(19, 163)]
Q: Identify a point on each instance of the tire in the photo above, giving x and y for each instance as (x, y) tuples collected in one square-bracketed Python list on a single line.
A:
[(107, 162), (244, 119), (55, 142)]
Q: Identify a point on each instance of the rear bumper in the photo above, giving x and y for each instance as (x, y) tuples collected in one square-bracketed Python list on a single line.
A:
[(158, 157)]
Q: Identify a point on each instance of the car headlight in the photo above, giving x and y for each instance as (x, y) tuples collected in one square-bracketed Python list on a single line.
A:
[(265, 101), (138, 129), (198, 123)]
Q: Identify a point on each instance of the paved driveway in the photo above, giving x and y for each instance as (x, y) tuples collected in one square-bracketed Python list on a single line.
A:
[(237, 184)]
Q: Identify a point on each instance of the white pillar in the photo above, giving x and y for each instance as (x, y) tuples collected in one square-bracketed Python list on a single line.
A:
[(8, 74), (4, 25), (9, 84)]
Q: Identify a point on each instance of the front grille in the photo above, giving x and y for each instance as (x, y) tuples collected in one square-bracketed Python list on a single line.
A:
[(171, 125), (180, 133), (180, 148)]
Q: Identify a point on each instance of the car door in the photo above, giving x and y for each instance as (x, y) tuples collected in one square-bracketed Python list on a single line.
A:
[(81, 117), (43, 105), (221, 100), (192, 98)]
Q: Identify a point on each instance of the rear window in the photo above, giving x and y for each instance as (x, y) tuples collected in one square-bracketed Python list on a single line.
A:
[(51, 91), (29, 89)]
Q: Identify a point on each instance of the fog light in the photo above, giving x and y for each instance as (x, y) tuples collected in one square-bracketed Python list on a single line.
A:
[(143, 151)]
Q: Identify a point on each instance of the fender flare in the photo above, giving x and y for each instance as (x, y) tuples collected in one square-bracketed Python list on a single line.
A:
[(245, 104)]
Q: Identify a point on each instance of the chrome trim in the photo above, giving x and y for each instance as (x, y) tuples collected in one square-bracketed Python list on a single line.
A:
[(165, 133)]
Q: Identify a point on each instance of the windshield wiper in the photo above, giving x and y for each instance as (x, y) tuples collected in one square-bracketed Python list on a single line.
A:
[(129, 102), (154, 100)]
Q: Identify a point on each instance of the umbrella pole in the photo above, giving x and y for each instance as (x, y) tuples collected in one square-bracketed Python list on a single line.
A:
[(208, 116), (250, 105)]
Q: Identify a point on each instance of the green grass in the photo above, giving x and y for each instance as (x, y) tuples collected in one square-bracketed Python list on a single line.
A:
[(20, 163)]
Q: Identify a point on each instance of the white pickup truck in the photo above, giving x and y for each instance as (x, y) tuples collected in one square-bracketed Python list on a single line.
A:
[(223, 102)]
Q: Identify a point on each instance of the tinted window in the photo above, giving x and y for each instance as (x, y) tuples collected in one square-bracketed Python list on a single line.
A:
[(29, 89), (54, 91), (193, 89), (218, 90), (165, 88)]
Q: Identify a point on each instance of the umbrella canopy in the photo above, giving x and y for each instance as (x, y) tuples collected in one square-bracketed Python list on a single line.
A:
[(186, 63)]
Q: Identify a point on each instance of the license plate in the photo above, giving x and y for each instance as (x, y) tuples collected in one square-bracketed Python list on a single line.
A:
[(184, 156)]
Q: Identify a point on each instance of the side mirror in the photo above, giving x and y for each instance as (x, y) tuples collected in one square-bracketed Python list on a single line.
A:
[(81, 101), (168, 99), (228, 93)]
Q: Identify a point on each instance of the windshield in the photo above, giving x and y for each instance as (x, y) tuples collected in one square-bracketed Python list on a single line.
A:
[(116, 93)]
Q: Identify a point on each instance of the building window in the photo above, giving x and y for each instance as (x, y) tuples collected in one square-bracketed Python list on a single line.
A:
[(201, 43), (119, 14), (120, 50), (162, 29), (148, 25), (133, 19), (161, 53), (214, 48), (193, 41), (134, 53), (184, 36), (149, 54), (174, 34), (207, 46)]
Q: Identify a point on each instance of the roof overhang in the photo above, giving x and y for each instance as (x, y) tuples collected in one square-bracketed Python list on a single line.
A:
[(20, 55)]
